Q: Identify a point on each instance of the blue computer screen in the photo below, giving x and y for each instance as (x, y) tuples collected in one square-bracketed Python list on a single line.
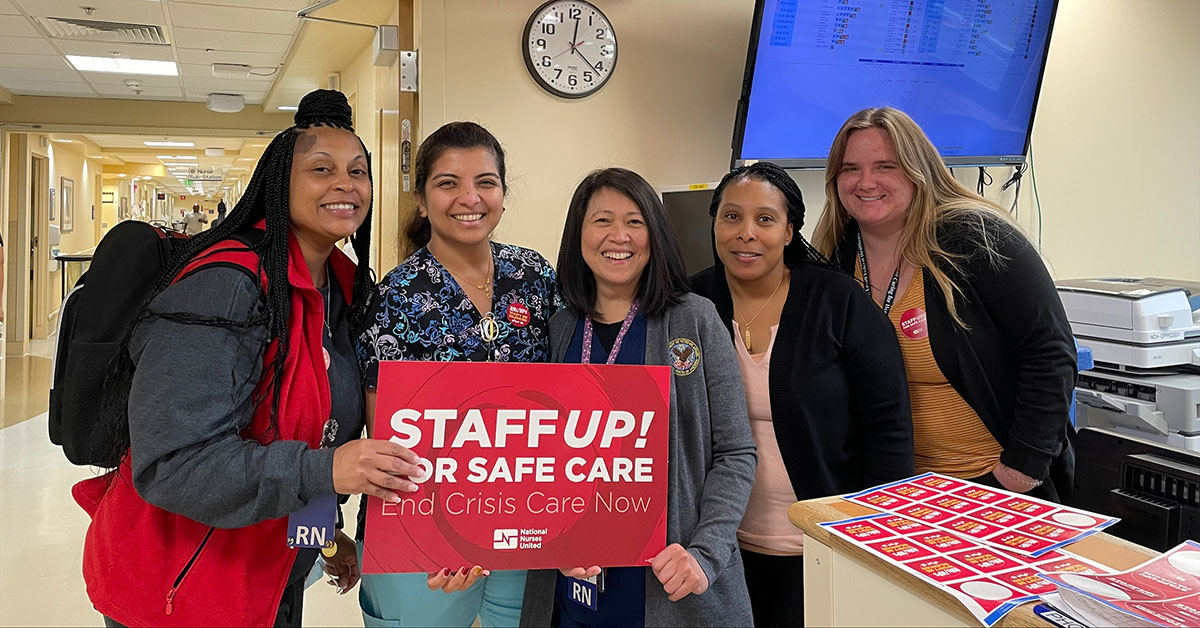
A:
[(968, 71)]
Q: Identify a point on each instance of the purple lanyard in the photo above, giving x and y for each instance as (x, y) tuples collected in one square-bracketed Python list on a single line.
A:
[(616, 348)]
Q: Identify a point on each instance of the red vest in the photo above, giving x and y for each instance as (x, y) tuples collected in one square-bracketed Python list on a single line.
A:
[(144, 566)]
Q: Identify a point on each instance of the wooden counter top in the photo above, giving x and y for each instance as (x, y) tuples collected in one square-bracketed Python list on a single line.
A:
[(807, 515)]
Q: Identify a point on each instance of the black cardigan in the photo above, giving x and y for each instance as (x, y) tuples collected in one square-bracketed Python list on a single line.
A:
[(839, 395), (1015, 364)]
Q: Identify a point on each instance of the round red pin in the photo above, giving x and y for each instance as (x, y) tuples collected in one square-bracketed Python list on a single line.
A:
[(518, 315), (912, 323)]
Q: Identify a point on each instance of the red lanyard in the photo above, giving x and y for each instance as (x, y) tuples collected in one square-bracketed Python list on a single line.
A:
[(586, 358)]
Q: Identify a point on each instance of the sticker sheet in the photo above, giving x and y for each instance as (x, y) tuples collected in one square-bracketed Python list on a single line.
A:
[(1164, 591), (1009, 521), (990, 582)]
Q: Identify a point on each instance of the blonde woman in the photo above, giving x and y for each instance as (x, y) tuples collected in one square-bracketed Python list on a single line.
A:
[(987, 347)]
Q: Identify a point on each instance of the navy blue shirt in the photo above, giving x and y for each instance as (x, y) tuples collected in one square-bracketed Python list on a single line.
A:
[(623, 602)]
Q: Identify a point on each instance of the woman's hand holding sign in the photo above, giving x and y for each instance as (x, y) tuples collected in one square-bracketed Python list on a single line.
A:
[(679, 572), (376, 467), (451, 581), (580, 573)]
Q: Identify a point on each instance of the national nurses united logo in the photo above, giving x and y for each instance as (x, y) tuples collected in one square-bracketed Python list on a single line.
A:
[(685, 356)]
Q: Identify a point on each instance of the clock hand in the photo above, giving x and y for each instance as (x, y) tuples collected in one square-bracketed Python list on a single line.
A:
[(575, 35), (590, 64)]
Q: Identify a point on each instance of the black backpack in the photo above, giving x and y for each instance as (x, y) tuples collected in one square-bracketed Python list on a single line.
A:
[(92, 323)]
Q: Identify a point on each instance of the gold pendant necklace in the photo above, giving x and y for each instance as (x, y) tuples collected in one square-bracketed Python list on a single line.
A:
[(747, 324), (485, 287)]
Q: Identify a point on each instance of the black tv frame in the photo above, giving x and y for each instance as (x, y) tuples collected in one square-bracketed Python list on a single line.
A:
[(743, 105)]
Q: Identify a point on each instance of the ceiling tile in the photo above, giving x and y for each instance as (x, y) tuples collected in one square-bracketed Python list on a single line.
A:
[(253, 59), (286, 5), (107, 78), (48, 88), (24, 74), (105, 49), (45, 62), (263, 20), (17, 26), (201, 94), (26, 46), (136, 11), (235, 86), (230, 40), (192, 71), (7, 8), (152, 93)]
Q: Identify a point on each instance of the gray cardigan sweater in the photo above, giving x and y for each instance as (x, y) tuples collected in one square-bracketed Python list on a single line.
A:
[(712, 460)]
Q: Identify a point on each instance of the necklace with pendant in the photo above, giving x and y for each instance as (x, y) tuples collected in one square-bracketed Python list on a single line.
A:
[(325, 320), (747, 324)]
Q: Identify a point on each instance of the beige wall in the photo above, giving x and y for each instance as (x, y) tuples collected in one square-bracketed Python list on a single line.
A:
[(69, 161), (667, 112), (1117, 115)]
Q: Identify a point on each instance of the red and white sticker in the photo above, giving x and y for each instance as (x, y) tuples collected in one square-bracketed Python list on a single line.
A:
[(903, 524), (941, 541), (926, 514), (884, 501), (900, 549), (912, 323), (972, 528), (985, 560), (941, 569), (861, 530), (955, 504), (518, 315), (999, 517), (981, 494)]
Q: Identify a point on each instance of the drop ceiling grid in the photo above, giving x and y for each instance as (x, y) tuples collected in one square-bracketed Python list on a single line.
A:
[(202, 32)]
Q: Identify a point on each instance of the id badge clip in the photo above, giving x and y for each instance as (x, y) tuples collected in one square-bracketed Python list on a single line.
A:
[(586, 592), (315, 524)]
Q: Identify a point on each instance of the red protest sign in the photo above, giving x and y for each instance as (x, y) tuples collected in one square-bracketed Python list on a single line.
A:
[(526, 466)]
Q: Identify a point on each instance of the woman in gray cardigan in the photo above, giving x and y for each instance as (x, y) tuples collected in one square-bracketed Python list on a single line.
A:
[(622, 275)]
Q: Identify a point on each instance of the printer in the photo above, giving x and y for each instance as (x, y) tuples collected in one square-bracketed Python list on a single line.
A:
[(1144, 336)]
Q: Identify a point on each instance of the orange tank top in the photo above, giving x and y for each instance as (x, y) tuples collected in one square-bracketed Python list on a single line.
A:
[(948, 435)]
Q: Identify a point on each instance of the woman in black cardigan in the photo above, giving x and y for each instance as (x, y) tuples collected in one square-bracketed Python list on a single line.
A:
[(987, 346), (825, 381)]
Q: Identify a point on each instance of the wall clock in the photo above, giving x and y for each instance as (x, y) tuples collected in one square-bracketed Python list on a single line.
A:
[(570, 48)]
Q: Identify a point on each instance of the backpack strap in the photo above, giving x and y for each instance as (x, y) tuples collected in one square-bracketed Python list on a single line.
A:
[(236, 251)]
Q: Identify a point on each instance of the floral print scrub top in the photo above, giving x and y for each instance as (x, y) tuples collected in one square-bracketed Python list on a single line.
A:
[(419, 312)]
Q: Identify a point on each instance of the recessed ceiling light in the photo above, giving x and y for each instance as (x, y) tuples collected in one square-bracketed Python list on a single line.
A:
[(95, 157), (183, 157), (171, 144), (122, 175), (123, 66), (287, 108), (63, 141)]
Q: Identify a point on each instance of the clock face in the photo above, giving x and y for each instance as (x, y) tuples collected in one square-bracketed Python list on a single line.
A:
[(569, 48)]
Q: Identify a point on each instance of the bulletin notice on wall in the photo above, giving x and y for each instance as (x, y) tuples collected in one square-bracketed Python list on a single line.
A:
[(989, 582), (1008, 521)]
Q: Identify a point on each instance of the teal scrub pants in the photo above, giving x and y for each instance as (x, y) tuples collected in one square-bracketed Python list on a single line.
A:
[(403, 599)]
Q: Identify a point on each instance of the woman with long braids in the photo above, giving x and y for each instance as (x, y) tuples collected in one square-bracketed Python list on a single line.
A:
[(460, 296), (824, 379), (239, 402)]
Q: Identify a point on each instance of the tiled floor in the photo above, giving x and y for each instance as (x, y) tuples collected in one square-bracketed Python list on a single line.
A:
[(42, 528)]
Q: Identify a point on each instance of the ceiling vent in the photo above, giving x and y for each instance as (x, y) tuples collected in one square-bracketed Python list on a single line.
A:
[(95, 30)]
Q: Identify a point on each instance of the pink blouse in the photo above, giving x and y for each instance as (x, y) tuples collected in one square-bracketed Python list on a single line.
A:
[(765, 528)]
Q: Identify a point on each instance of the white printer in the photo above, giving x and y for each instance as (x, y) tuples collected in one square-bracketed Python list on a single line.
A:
[(1144, 335)]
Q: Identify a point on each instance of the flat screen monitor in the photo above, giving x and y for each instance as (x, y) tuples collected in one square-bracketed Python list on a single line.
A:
[(687, 209), (967, 71)]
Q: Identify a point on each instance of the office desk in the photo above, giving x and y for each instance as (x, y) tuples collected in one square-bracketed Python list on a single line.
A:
[(845, 585)]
